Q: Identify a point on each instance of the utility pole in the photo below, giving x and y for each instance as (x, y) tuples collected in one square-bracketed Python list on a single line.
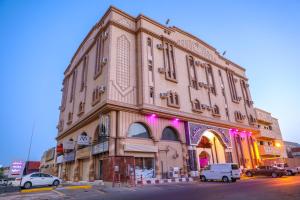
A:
[(32, 131)]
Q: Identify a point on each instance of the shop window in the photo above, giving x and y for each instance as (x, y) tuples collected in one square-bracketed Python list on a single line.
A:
[(138, 130), (144, 167), (169, 134)]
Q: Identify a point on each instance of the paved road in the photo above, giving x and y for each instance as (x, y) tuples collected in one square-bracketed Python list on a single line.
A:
[(285, 188)]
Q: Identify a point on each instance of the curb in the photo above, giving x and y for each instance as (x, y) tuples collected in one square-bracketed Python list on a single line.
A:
[(37, 190), (160, 181)]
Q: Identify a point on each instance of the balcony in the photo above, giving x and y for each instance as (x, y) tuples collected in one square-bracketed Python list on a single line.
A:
[(266, 134), (269, 151)]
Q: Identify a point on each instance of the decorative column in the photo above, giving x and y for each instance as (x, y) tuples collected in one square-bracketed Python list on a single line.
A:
[(91, 167), (184, 159), (192, 161), (157, 166), (64, 174), (76, 171)]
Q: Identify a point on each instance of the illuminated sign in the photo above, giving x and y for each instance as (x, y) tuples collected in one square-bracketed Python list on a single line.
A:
[(16, 169)]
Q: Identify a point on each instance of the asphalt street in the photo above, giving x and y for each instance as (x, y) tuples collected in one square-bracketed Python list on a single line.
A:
[(285, 188)]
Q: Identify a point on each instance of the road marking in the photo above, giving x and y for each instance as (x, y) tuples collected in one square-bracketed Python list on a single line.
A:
[(78, 187), (59, 193), (100, 191), (37, 190)]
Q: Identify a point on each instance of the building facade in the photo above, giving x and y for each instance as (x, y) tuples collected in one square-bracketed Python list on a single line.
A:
[(154, 97), (269, 139)]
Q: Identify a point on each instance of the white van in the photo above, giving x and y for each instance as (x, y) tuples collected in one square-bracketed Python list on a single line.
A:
[(225, 172)]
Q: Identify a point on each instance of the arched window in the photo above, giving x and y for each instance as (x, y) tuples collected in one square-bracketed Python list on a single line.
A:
[(138, 130), (169, 134), (216, 110), (197, 105)]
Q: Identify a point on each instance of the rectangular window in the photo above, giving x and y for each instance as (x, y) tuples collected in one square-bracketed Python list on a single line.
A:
[(84, 73), (173, 99), (74, 76), (211, 80), (192, 72), (65, 93), (99, 55), (232, 86), (169, 62), (151, 92)]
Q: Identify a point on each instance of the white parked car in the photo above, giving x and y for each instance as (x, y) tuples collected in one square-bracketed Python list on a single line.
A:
[(39, 179), (223, 172)]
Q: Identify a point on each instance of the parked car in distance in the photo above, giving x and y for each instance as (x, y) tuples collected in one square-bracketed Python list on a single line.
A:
[(38, 179), (223, 172), (290, 171), (265, 171)]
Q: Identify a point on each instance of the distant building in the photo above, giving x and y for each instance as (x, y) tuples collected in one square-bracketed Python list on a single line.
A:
[(48, 162), (269, 139), (292, 149)]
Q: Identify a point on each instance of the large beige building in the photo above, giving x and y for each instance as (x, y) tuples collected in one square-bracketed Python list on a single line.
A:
[(166, 100), (269, 139)]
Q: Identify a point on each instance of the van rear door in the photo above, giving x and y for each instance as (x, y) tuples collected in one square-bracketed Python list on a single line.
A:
[(236, 173)]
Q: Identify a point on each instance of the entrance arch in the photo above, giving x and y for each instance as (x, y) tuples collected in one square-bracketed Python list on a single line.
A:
[(210, 149)]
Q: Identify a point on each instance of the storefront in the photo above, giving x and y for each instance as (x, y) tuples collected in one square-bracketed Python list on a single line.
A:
[(69, 160)]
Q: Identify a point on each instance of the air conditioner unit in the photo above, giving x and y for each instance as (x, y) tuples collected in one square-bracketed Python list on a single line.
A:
[(101, 88), (239, 98), (222, 86), (197, 62), (200, 84), (163, 95), (105, 35), (104, 61), (161, 70), (203, 106), (160, 46)]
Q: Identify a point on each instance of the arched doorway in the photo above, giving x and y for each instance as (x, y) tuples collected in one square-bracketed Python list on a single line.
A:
[(210, 149), (204, 159)]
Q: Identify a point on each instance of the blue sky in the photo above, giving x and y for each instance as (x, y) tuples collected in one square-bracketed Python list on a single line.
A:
[(39, 38)]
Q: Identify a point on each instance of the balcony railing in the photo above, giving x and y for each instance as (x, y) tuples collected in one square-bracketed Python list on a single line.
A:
[(263, 133), (269, 150)]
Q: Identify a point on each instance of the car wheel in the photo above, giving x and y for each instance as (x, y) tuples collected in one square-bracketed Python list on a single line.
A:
[(225, 179), (27, 185), (289, 173), (203, 178), (274, 175), (249, 174), (55, 183)]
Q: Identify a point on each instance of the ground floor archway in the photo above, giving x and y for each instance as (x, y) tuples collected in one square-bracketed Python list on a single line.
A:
[(210, 149)]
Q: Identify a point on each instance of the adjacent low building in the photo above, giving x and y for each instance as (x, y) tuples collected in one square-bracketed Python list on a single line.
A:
[(269, 139)]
